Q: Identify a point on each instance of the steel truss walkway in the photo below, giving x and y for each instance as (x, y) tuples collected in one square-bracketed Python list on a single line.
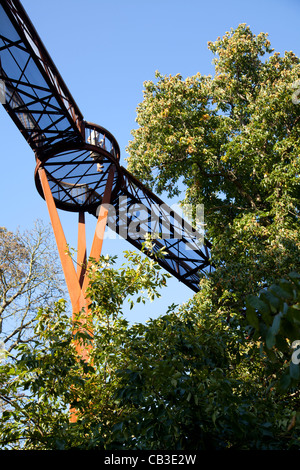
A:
[(78, 163)]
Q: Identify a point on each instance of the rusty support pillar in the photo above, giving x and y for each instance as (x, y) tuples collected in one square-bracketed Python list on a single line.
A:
[(61, 242), (77, 282), (101, 222)]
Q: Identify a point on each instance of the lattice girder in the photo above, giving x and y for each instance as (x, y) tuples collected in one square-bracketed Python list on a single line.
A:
[(76, 156), (36, 96)]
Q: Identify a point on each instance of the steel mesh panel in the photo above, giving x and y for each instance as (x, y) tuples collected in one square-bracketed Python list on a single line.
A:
[(78, 155), (36, 104)]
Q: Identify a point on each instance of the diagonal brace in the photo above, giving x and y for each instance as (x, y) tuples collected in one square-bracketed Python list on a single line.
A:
[(77, 282)]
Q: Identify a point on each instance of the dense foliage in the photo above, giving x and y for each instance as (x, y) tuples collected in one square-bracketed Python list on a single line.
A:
[(188, 380), (222, 370), (233, 139)]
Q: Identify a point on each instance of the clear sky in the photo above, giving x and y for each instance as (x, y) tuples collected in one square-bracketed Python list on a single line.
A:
[(104, 52)]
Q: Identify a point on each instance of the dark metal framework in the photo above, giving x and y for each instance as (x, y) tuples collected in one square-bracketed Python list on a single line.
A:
[(37, 98), (77, 157), (138, 212)]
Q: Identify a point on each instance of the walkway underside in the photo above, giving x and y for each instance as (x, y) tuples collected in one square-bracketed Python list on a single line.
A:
[(76, 158)]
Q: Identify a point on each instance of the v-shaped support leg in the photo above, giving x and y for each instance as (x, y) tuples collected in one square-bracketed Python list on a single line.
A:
[(61, 242), (77, 281)]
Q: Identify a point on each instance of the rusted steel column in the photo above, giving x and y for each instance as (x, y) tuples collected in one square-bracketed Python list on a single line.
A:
[(95, 254), (66, 261), (101, 224), (77, 282)]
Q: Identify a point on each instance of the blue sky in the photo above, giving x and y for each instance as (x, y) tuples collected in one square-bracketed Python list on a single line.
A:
[(104, 52)]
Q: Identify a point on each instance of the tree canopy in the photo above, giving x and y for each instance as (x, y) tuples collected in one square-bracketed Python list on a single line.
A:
[(188, 380), (222, 370), (233, 141)]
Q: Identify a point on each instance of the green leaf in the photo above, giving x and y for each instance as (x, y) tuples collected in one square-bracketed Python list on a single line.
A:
[(270, 339), (276, 324), (258, 304)]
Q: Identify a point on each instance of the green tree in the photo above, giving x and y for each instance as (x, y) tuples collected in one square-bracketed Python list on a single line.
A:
[(214, 373), (275, 317), (46, 378), (233, 140), (184, 381)]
